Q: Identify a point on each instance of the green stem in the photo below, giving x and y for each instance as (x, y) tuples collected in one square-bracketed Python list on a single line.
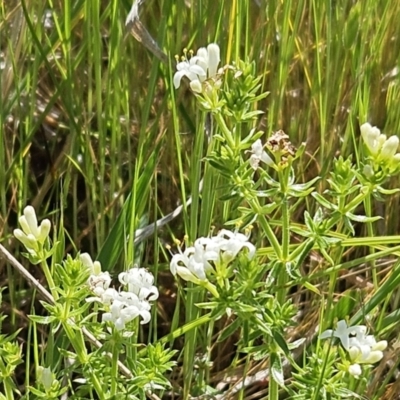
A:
[(273, 393), (114, 371), (267, 228), (7, 381), (371, 233), (78, 343), (225, 131), (49, 279), (282, 278)]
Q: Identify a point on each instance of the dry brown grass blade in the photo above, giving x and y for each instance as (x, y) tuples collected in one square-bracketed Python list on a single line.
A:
[(141, 34)]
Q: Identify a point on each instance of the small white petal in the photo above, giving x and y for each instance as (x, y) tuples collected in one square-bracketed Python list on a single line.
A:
[(327, 334), (198, 73), (257, 148), (381, 345), (146, 317), (355, 353), (374, 357), (178, 77), (119, 324), (97, 268), (265, 158), (201, 59)]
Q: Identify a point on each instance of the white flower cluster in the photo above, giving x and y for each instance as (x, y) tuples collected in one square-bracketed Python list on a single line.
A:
[(198, 68), (123, 306), (381, 148), (362, 348), (32, 235), (196, 261)]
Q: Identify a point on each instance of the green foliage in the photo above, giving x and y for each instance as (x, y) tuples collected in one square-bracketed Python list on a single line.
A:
[(95, 137)]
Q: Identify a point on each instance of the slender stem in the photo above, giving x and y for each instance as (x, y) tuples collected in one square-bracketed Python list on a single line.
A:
[(49, 279), (7, 381), (78, 343), (225, 131), (273, 392), (267, 228), (285, 218), (114, 371), (371, 233)]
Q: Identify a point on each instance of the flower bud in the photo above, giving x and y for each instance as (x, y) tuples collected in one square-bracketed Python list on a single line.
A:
[(30, 218), (370, 136), (355, 370), (389, 148), (44, 230), (213, 59), (45, 377)]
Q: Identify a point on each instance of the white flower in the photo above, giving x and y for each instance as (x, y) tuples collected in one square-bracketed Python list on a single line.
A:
[(372, 137), (122, 306), (197, 261), (98, 281), (98, 284), (362, 348), (140, 282), (259, 154), (106, 297), (32, 235), (125, 307), (193, 264), (190, 69), (198, 68), (118, 316), (232, 244), (209, 59), (343, 332), (379, 146)]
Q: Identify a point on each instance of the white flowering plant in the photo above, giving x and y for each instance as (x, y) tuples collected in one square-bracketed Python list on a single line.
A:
[(260, 185), (79, 290), (261, 289), (361, 348)]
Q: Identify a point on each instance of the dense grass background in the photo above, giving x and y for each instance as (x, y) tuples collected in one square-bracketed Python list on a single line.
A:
[(89, 117)]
